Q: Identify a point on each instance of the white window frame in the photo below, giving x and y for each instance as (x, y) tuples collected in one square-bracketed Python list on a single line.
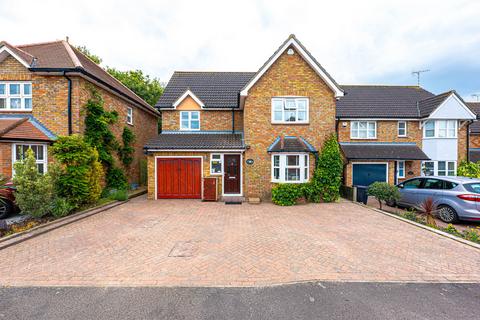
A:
[(436, 129), (221, 164), (45, 155), (130, 115), (304, 174), (190, 120), (22, 96), (398, 169), (283, 100), (355, 133), (436, 170), (404, 135)]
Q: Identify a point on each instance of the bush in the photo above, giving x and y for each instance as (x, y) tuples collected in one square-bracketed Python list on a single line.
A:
[(286, 194), (143, 172), (60, 207), (382, 191), (468, 169), (120, 195), (79, 179), (116, 179), (452, 230), (34, 191), (471, 235), (126, 151), (327, 178)]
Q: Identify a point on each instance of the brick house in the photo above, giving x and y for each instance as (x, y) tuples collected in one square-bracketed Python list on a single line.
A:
[(252, 130), (474, 134), (43, 89)]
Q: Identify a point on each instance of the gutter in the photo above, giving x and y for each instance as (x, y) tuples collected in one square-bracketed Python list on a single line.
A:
[(69, 103)]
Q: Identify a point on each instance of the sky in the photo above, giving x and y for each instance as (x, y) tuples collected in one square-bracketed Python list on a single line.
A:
[(358, 42)]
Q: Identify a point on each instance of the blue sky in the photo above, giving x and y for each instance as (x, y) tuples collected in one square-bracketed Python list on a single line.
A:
[(379, 42)]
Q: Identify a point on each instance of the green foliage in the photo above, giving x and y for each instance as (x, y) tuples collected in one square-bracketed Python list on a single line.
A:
[(286, 194), (120, 195), (411, 214), (452, 230), (60, 207), (143, 172), (327, 178), (471, 235), (145, 87), (382, 191), (89, 54), (311, 191), (81, 172), (97, 128), (126, 151), (34, 191), (468, 169), (116, 179)]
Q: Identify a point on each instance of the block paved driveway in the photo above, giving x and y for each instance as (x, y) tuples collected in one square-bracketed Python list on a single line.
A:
[(192, 243)]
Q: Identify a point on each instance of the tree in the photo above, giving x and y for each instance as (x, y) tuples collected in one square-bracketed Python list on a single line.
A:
[(327, 178), (89, 54), (149, 89), (382, 191)]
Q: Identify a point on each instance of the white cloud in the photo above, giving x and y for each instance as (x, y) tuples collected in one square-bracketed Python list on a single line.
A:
[(357, 41)]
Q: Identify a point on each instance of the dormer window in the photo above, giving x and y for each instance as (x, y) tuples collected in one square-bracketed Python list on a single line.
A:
[(15, 96), (190, 120), (290, 110)]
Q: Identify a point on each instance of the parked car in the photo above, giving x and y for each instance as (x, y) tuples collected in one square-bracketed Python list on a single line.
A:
[(456, 198), (7, 203)]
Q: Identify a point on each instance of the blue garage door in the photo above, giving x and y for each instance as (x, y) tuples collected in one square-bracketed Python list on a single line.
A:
[(366, 174)]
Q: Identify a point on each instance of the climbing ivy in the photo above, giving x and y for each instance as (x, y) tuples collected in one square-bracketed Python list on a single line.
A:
[(126, 151)]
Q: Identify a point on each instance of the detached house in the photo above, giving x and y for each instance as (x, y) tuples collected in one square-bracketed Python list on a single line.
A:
[(43, 89), (251, 130)]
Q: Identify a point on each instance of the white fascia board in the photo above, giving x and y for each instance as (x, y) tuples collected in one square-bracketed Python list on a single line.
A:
[(10, 52), (192, 95), (471, 116), (196, 150), (338, 92)]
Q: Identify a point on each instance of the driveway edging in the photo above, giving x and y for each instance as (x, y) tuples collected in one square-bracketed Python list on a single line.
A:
[(55, 224), (439, 232)]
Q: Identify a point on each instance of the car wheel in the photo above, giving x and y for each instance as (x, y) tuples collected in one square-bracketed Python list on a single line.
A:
[(447, 214)]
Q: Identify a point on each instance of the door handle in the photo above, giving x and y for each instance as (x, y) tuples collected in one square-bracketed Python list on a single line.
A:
[(232, 177)]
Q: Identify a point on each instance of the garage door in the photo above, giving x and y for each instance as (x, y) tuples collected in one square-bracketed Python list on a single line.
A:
[(366, 174), (179, 178)]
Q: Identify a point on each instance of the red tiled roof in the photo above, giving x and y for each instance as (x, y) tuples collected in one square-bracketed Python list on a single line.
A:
[(21, 129)]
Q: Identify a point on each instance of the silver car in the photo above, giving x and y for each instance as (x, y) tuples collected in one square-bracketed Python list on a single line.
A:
[(456, 198)]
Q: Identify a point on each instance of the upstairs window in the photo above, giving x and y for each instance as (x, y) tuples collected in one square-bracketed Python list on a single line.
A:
[(440, 129), (363, 130), (130, 115), (15, 96), (402, 128), (189, 120), (290, 110)]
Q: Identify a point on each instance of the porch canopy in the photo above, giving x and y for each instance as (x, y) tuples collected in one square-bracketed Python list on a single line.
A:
[(382, 151), (291, 144), (199, 141)]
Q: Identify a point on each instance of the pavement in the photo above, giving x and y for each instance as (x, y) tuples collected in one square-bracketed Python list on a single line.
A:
[(324, 300), (193, 244)]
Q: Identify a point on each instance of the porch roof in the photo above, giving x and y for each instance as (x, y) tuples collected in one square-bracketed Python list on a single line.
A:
[(291, 144), (382, 151), (196, 141)]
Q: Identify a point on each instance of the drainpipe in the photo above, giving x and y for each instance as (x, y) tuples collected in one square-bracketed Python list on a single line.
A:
[(69, 103), (233, 120), (468, 140)]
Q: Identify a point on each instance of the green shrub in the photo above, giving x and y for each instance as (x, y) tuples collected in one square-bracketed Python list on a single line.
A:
[(327, 178), (116, 179), (60, 207), (120, 195), (382, 191), (311, 192), (471, 235), (34, 191), (126, 152), (452, 230), (286, 194), (143, 172), (81, 172), (468, 169), (412, 215)]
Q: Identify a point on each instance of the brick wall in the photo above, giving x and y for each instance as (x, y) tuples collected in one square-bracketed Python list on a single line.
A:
[(209, 120), (290, 75), (386, 132), (462, 144), (474, 141), (6, 159)]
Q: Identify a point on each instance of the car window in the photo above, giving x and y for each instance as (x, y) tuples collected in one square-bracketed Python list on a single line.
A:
[(449, 185), (412, 184), (433, 184), (473, 187)]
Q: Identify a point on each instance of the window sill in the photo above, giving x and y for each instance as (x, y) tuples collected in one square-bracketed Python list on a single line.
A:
[(363, 138), (294, 123), (216, 174), (16, 110), (294, 182)]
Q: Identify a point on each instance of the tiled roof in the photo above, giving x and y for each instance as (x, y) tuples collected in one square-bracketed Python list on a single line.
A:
[(62, 55), (371, 101), (475, 107), (474, 154), (196, 141), (427, 106), (291, 144), (382, 151), (214, 89), (23, 127)]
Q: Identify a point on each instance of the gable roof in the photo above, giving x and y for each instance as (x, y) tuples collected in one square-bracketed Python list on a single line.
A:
[(475, 107), (23, 127), (379, 101), (429, 107), (292, 41), (217, 90), (190, 94), (291, 144), (60, 56)]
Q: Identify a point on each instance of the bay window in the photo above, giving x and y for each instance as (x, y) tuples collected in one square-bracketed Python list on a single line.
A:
[(363, 130), (290, 110), (189, 120), (15, 96), (290, 168), (440, 129), (19, 152)]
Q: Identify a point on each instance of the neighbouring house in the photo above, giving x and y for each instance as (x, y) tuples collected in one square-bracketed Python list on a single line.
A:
[(43, 90), (252, 130), (474, 138)]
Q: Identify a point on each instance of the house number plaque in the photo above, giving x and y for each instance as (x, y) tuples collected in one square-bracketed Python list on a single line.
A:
[(249, 161)]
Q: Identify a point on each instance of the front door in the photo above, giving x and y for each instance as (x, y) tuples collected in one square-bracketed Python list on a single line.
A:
[(231, 177)]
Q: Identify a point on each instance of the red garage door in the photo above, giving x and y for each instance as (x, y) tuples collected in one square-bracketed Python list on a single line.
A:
[(179, 178)]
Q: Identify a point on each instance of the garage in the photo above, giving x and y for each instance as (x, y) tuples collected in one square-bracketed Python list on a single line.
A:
[(179, 178), (364, 174)]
